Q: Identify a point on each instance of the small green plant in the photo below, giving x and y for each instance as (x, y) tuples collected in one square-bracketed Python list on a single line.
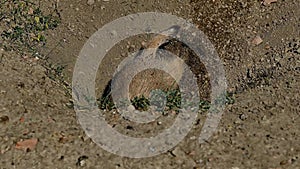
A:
[(173, 99), (204, 105), (55, 72), (140, 103), (106, 103), (173, 102), (24, 24), (229, 98)]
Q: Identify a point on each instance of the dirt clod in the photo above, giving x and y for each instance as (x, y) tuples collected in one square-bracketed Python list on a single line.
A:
[(257, 40), (4, 119), (27, 144)]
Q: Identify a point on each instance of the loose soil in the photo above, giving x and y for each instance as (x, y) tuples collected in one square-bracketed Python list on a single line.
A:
[(259, 130)]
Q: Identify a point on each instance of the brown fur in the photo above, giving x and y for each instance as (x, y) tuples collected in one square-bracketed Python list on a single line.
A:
[(146, 81)]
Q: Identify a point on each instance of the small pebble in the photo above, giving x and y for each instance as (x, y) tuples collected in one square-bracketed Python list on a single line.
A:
[(257, 40), (243, 116), (30, 11), (90, 2), (130, 108), (193, 138), (268, 2), (152, 149), (176, 152), (284, 162), (81, 160), (113, 33)]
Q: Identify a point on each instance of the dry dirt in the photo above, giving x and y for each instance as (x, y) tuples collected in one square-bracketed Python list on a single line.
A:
[(260, 130)]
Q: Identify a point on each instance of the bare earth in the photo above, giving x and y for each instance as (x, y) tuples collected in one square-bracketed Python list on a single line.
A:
[(260, 130)]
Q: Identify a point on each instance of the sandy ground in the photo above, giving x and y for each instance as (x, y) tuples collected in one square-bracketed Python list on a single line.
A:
[(260, 130)]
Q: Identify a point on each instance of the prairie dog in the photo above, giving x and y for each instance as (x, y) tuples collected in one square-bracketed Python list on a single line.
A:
[(151, 79)]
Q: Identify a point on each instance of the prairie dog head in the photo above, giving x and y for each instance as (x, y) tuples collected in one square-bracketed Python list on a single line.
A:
[(163, 37)]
